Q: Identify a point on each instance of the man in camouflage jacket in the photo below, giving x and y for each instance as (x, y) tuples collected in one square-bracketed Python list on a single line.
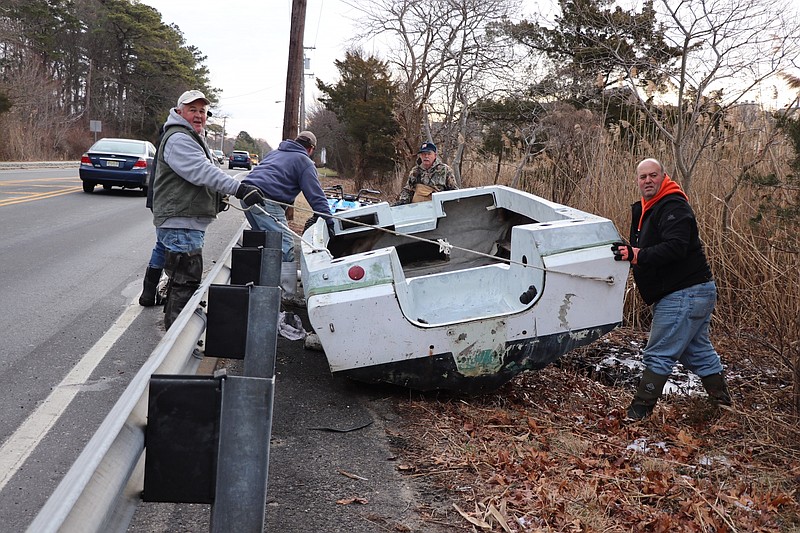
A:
[(428, 176)]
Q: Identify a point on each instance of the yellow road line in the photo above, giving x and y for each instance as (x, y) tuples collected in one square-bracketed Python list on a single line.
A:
[(40, 196), (26, 181)]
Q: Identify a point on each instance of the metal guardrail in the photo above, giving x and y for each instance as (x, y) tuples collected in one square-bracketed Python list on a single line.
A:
[(103, 487), (11, 165)]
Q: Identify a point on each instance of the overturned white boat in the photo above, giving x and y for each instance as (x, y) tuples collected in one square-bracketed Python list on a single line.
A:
[(462, 292)]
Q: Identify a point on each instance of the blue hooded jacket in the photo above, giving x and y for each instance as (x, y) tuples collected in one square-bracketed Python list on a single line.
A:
[(286, 172)]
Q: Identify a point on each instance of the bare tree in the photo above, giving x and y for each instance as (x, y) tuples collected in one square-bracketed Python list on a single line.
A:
[(674, 68), (446, 59), (728, 49), (332, 135)]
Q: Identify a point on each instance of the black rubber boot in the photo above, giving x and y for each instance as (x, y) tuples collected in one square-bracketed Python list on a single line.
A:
[(185, 272), (717, 389), (149, 295), (647, 394)]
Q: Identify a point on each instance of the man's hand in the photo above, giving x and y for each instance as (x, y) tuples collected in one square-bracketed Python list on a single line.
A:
[(250, 195), (625, 252)]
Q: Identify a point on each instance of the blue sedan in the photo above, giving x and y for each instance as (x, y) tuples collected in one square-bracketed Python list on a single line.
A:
[(240, 158), (117, 163)]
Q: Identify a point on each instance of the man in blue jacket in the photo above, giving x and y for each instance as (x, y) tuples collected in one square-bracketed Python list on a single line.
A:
[(673, 275), (281, 176)]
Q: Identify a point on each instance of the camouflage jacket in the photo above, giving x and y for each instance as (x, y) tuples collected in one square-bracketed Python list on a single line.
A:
[(440, 177)]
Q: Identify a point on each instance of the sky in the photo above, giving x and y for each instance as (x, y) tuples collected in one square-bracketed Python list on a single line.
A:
[(247, 49)]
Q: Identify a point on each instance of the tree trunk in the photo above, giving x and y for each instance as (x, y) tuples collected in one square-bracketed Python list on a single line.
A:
[(522, 163), (499, 166)]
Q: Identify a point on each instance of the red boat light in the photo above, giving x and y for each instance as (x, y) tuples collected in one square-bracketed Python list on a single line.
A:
[(355, 273)]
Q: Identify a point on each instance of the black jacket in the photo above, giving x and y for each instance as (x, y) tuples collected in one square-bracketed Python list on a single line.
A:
[(671, 254)]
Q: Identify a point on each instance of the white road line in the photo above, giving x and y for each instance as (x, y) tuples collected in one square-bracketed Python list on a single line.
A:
[(16, 450)]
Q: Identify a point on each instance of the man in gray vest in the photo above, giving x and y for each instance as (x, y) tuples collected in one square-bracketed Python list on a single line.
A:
[(187, 195)]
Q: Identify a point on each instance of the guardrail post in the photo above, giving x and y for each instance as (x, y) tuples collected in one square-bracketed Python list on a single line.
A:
[(246, 414), (237, 411), (253, 265), (243, 467), (266, 239), (262, 332)]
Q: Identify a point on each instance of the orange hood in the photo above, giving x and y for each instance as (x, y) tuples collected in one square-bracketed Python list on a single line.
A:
[(667, 187)]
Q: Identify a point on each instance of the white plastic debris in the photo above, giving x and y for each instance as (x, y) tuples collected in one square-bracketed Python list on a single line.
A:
[(641, 445), (290, 326)]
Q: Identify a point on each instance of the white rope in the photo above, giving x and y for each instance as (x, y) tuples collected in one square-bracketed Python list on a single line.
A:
[(281, 224), (444, 246)]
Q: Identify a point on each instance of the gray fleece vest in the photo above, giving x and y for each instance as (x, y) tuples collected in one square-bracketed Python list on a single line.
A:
[(173, 196)]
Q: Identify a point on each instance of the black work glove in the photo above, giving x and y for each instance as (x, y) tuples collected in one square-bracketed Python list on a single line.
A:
[(625, 252), (250, 195), (222, 203)]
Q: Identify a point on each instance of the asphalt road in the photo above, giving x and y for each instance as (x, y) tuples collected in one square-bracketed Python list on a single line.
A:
[(71, 265)]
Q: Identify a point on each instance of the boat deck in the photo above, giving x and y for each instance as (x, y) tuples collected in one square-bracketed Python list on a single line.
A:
[(440, 287), (469, 224)]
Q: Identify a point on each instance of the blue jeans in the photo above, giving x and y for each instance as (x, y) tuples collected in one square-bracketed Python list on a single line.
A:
[(159, 256), (680, 332), (180, 240), (262, 222)]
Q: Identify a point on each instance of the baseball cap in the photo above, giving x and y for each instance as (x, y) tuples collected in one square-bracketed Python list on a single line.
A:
[(190, 96), (308, 137), (427, 147)]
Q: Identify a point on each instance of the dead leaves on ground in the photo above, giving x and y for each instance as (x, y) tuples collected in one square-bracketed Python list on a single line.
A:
[(549, 453)]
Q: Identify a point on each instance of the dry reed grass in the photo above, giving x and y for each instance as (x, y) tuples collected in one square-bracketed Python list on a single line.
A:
[(548, 452), (734, 471), (756, 267)]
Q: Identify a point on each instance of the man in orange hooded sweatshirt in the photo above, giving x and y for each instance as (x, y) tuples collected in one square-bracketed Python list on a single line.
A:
[(673, 275)]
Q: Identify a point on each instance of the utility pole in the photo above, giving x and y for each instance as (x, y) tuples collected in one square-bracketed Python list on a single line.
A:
[(306, 66), (294, 73), (222, 142)]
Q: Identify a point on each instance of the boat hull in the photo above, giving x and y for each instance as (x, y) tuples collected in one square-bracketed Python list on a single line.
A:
[(443, 371), (526, 281)]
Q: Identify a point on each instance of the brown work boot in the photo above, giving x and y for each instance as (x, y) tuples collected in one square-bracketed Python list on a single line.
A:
[(186, 272)]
